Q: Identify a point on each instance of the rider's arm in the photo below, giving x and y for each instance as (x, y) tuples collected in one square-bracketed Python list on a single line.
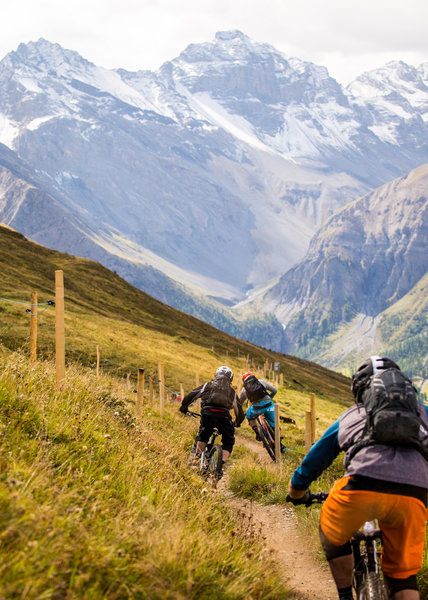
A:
[(271, 390), (189, 398), (238, 410), (319, 457)]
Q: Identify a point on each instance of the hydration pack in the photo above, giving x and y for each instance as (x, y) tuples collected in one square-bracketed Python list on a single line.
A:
[(218, 392), (254, 388), (393, 414)]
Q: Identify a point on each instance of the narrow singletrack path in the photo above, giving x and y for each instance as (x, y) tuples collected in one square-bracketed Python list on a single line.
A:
[(307, 578)]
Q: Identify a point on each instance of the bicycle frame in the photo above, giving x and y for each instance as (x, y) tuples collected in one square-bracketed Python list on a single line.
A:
[(211, 457), (267, 434), (366, 557)]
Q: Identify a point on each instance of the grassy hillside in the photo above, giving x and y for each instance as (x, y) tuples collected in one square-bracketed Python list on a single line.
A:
[(97, 505), (404, 330), (132, 329)]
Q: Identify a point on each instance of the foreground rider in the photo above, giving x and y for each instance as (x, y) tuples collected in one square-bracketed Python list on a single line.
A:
[(382, 480), (218, 398), (259, 393)]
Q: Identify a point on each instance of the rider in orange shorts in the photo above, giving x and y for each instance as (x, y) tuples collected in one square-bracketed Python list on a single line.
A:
[(383, 481)]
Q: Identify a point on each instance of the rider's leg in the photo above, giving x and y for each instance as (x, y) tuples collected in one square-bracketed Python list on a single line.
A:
[(341, 562), (227, 431), (253, 424), (406, 595), (341, 568), (403, 589), (200, 447)]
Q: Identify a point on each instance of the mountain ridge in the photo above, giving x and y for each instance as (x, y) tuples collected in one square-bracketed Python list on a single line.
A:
[(209, 177)]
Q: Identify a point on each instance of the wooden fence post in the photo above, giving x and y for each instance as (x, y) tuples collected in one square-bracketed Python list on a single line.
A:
[(277, 436), (59, 328), (140, 394), (33, 327), (313, 418), (98, 361), (151, 389), (308, 431), (161, 388)]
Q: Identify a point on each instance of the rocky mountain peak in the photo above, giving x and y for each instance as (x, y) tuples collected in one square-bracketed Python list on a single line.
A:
[(46, 55)]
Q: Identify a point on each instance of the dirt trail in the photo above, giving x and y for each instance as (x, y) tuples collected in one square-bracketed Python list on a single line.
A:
[(307, 578)]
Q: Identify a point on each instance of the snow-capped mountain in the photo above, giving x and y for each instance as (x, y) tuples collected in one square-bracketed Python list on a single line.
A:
[(217, 169), (361, 287)]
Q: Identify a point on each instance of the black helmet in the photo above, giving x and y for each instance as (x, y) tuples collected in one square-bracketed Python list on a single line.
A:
[(224, 371), (371, 366)]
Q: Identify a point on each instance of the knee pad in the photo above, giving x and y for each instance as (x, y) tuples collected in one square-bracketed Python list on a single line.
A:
[(330, 550), (398, 585)]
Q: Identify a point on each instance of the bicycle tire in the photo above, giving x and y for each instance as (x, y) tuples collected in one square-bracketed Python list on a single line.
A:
[(373, 589), (204, 462), (215, 462), (266, 440)]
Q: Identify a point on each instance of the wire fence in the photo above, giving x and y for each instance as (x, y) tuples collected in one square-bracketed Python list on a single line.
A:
[(152, 374)]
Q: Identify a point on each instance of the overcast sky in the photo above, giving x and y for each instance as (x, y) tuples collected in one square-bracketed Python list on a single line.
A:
[(346, 36)]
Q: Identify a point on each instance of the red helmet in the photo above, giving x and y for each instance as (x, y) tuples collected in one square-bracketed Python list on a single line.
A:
[(247, 374)]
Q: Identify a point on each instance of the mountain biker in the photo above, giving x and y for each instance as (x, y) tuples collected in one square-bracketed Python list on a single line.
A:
[(261, 404), (381, 481), (218, 398)]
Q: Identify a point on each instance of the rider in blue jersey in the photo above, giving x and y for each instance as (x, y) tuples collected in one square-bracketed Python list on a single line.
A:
[(262, 405)]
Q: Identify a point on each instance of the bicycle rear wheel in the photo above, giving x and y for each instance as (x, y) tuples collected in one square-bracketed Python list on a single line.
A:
[(267, 440), (373, 589), (215, 463)]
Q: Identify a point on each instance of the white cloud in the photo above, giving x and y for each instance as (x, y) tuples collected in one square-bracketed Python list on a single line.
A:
[(347, 37)]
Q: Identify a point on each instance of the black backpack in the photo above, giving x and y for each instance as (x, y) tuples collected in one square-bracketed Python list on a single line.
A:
[(393, 414), (254, 388), (218, 392)]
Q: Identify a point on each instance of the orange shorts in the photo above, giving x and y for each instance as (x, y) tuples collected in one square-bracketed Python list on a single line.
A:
[(402, 520)]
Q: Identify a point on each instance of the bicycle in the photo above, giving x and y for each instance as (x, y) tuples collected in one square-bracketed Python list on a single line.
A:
[(267, 433), (211, 459), (367, 581)]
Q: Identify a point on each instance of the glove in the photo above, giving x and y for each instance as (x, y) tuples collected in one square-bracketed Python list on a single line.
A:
[(306, 499)]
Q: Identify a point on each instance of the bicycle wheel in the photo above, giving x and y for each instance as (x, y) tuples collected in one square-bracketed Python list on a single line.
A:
[(203, 463), (266, 438), (215, 463), (373, 589)]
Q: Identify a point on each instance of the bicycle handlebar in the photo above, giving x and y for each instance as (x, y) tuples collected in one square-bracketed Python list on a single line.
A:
[(193, 414), (318, 497), (308, 499)]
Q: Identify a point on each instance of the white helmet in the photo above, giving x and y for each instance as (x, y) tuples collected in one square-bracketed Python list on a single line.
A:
[(224, 371)]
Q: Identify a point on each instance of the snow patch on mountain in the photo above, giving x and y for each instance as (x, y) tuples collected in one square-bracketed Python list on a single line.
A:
[(8, 131)]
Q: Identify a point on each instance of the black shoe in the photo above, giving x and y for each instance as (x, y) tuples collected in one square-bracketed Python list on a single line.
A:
[(258, 438), (283, 448)]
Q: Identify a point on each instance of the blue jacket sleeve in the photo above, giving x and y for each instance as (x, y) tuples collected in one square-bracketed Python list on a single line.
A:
[(320, 456)]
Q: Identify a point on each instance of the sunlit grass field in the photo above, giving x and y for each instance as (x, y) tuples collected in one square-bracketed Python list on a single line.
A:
[(95, 505)]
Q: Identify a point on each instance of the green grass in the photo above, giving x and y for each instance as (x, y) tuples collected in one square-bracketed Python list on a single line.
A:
[(94, 505)]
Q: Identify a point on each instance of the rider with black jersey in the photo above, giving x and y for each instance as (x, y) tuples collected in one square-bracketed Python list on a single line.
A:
[(218, 398)]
